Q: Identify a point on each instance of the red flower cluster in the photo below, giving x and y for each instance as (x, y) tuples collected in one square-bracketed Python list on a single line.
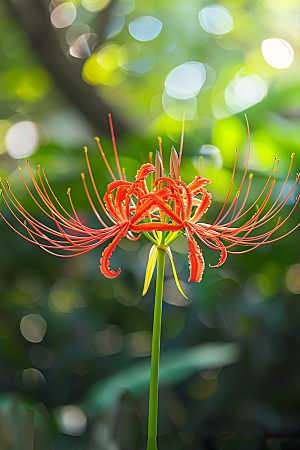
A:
[(170, 207)]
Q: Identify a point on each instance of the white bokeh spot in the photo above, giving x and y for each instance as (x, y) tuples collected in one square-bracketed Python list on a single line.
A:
[(278, 53), (22, 139), (73, 420), (145, 28), (215, 19), (186, 80), (245, 90), (64, 15)]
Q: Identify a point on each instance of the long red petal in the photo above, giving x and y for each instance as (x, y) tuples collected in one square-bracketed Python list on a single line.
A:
[(104, 261), (223, 255), (205, 203), (196, 260)]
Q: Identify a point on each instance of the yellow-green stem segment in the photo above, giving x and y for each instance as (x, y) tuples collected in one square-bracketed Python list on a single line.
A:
[(154, 375)]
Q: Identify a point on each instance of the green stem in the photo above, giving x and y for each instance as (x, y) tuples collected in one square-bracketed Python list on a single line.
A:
[(154, 375)]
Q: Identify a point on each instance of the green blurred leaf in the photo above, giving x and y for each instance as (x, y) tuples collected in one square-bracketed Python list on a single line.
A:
[(175, 367)]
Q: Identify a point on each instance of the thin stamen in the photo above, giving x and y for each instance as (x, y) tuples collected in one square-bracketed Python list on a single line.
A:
[(160, 149), (114, 145), (104, 158), (229, 190), (181, 141), (248, 157), (200, 164), (89, 198), (95, 188), (151, 162), (256, 200)]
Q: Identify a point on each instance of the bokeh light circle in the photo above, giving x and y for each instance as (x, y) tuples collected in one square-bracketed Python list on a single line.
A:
[(95, 5), (80, 47), (145, 28), (136, 59), (293, 278), (41, 357), (22, 139), (109, 341), (186, 80), (216, 20), (103, 67), (65, 296), (64, 15), (278, 53), (175, 107), (75, 31), (33, 327), (249, 87), (33, 379), (115, 26), (107, 56), (213, 154), (73, 420)]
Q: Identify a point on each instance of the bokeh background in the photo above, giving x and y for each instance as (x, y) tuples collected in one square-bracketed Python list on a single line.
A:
[(75, 346)]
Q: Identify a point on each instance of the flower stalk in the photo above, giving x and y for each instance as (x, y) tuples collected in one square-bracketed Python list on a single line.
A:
[(154, 374)]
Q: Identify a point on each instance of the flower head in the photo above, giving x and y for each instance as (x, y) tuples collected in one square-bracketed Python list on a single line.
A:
[(162, 209)]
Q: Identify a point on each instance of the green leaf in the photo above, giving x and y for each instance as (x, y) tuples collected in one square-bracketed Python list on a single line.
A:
[(175, 367)]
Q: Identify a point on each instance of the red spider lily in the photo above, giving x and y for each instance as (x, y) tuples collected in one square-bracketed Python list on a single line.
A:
[(167, 210)]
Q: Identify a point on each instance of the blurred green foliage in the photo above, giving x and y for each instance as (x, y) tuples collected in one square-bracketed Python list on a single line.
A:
[(70, 338)]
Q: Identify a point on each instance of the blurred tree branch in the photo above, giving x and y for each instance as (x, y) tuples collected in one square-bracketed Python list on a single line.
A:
[(33, 17)]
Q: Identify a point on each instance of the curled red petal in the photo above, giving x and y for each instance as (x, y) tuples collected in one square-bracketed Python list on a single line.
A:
[(196, 260), (145, 170), (121, 195), (203, 207), (169, 181), (222, 248), (196, 185), (104, 261), (115, 184), (109, 198)]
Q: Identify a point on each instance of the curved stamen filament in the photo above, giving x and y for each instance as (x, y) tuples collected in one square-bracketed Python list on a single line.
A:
[(229, 190), (181, 141), (104, 158), (95, 187), (114, 145)]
